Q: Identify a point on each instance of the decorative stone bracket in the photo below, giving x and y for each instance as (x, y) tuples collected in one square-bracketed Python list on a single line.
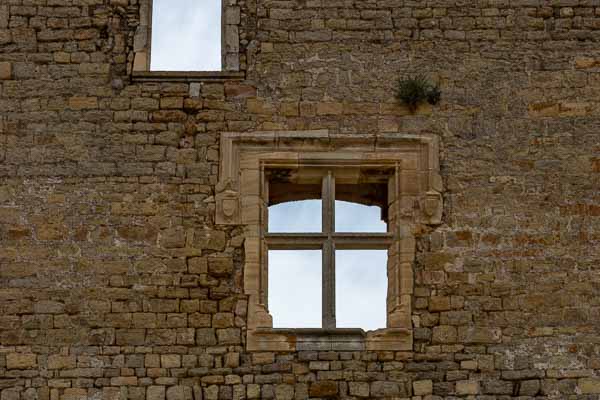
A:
[(432, 208), (227, 203)]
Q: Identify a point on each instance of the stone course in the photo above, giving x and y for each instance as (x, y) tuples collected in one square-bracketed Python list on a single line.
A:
[(116, 283)]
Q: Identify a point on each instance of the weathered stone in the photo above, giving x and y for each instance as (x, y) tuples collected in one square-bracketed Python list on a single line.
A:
[(324, 389), (155, 393), (444, 334), (61, 362), (5, 70), (479, 334), (589, 385), (467, 387), (179, 393), (83, 103), (422, 388), (21, 361), (118, 280), (220, 266), (529, 388), (387, 389)]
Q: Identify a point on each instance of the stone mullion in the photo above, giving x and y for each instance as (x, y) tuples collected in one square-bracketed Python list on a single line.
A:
[(328, 227)]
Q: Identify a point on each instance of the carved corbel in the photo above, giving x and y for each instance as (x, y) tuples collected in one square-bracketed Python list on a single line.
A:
[(227, 204), (432, 207)]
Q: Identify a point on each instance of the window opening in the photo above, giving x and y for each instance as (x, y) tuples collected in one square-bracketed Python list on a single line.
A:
[(361, 289), (295, 288), (288, 185), (186, 35)]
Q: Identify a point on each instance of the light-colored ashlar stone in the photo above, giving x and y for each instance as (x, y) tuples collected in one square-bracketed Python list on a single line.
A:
[(170, 360), (21, 360), (589, 385), (467, 387), (422, 388)]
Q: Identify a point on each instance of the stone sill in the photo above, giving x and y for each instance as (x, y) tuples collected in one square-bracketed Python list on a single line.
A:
[(186, 76), (341, 339)]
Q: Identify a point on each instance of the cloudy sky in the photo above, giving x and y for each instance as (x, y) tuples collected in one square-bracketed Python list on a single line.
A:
[(186, 36), (361, 281)]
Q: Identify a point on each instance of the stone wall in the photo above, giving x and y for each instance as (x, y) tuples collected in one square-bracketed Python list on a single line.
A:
[(115, 282)]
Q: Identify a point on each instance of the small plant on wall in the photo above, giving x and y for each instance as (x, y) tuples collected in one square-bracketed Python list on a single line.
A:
[(416, 90)]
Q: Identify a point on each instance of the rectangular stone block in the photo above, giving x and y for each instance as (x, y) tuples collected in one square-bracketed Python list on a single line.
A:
[(479, 334), (467, 387), (589, 385), (83, 103), (5, 70), (61, 362), (21, 361), (422, 388), (155, 393), (3, 16)]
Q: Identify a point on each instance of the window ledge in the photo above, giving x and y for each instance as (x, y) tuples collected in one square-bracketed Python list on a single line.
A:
[(340, 339), (186, 76)]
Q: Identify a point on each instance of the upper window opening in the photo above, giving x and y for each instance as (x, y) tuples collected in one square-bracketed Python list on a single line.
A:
[(186, 35), (293, 207)]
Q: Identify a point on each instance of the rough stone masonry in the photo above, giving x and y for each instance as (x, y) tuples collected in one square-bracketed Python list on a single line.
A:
[(116, 283)]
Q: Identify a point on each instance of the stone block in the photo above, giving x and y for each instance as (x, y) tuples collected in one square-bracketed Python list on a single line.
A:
[(21, 360), (284, 392), (111, 393), (155, 393), (61, 362), (387, 389), (253, 391), (325, 389), (229, 336), (179, 393), (172, 238), (220, 266), (422, 388), (479, 334), (4, 16), (206, 337), (170, 360), (467, 387), (9, 394), (530, 388), (329, 108), (83, 103), (589, 385), (358, 389), (439, 303), (5, 70), (444, 334)]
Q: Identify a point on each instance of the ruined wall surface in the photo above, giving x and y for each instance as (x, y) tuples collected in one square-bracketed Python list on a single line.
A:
[(115, 283)]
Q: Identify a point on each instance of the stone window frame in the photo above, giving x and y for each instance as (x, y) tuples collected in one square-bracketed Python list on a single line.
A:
[(415, 200), (230, 43)]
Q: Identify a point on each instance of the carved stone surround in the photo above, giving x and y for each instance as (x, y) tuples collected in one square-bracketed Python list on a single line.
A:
[(414, 199), (230, 37)]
